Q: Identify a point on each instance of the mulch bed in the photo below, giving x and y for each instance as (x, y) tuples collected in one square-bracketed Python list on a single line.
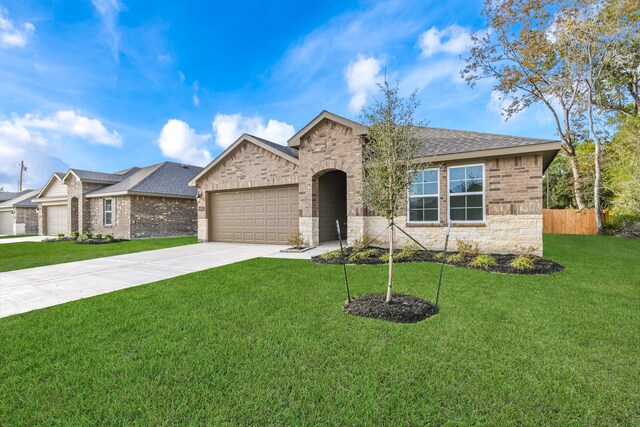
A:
[(402, 308), (94, 241), (540, 265)]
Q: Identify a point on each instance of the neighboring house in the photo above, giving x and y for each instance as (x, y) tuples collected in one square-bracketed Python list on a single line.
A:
[(489, 186), (153, 201), (19, 215)]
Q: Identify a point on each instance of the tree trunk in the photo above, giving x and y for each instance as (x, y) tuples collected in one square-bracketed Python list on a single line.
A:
[(390, 285), (596, 191), (577, 189)]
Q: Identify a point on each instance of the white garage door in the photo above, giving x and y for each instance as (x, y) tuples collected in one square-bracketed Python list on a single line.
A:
[(6, 222), (56, 220), (268, 215)]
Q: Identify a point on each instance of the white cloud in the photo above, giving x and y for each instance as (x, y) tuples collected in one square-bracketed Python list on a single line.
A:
[(10, 36), (17, 143), (179, 141), (109, 11), (363, 76), (195, 97), (70, 123), (453, 39), (181, 76), (228, 127)]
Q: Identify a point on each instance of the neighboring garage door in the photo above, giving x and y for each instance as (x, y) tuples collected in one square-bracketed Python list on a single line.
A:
[(268, 215), (6, 222), (56, 220)]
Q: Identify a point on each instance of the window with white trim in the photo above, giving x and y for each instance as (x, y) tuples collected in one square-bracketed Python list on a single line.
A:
[(423, 203), (466, 193), (107, 209)]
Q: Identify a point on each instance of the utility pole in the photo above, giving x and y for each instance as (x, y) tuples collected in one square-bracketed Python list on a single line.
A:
[(23, 168)]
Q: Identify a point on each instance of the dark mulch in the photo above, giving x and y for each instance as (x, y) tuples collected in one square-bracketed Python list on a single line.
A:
[(402, 308), (94, 241), (540, 265)]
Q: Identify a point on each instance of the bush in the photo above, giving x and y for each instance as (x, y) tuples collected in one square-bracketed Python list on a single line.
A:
[(441, 255), (75, 235), (331, 255), (88, 234), (361, 242), (408, 251), (384, 257), (82, 238), (467, 248), (98, 236), (364, 254), (60, 236), (527, 252), (455, 259), (109, 237), (522, 262), (484, 261), (296, 241)]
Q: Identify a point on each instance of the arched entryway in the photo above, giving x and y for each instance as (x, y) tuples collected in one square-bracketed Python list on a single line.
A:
[(332, 205)]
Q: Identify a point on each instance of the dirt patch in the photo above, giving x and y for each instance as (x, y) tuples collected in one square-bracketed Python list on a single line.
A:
[(402, 308), (502, 265)]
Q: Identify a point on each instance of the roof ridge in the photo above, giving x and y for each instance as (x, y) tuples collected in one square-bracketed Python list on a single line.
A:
[(485, 133)]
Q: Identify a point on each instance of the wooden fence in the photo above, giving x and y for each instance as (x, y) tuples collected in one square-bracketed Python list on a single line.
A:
[(570, 221)]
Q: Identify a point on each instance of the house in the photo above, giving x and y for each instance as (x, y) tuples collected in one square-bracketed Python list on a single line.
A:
[(154, 201), (19, 215), (488, 186)]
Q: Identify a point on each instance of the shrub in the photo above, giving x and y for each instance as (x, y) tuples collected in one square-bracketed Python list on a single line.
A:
[(331, 255), (98, 236), (408, 251), (109, 237), (361, 242), (485, 261), (384, 257), (527, 252), (60, 236), (88, 234), (364, 254), (455, 258), (75, 235), (82, 238), (441, 255), (467, 248), (296, 241), (521, 262)]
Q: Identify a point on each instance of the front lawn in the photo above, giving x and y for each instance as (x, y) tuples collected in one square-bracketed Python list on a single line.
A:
[(16, 256), (265, 342)]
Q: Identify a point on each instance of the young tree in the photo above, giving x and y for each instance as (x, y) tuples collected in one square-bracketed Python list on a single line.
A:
[(390, 147), (519, 56)]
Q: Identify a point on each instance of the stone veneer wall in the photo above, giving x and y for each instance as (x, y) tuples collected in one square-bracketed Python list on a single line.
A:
[(248, 166), (25, 221), (121, 227), (329, 146), (162, 217), (513, 209), (84, 220)]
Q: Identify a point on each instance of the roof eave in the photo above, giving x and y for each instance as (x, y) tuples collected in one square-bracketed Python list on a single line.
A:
[(138, 193)]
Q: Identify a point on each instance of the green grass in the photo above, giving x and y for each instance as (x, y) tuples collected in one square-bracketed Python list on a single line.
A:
[(17, 236), (265, 342), (16, 256)]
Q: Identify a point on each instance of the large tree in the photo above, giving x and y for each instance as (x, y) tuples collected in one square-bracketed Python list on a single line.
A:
[(517, 54), (390, 147)]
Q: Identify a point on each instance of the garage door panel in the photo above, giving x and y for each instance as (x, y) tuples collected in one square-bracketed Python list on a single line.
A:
[(57, 217), (6, 222), (268, 215)]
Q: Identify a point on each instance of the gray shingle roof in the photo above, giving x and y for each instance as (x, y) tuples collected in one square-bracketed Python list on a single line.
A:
[(85, 175), (22, 199), (437, 141), (283, 148), (163, 179), (7, 195)]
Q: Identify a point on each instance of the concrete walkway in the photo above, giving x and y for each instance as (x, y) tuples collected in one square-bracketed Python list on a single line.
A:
[(19, 239), (40, 287)]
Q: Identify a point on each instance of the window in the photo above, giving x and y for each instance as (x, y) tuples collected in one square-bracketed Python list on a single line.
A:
[(423, 197), (107, 205), (466, 193)]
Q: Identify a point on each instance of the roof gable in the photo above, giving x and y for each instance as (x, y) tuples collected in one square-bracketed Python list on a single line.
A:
[(286, 153), (53, 186), (358, 128)]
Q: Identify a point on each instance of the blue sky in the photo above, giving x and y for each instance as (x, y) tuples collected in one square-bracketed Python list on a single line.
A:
[(109, 84)]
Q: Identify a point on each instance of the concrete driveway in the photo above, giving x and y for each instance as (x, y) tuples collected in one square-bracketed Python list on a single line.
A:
[(35, 288), (18, 239)]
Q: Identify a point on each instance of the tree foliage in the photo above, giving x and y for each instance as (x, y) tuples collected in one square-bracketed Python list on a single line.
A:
[(623, 171)]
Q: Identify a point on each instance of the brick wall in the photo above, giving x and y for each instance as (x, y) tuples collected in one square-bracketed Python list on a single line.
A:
[(80, 220), (26, 221), (248, 166), (162, 217), (121, 222), (329, 146)]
